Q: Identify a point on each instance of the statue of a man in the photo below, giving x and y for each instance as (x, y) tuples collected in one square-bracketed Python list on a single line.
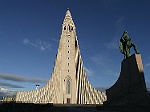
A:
[(125, 45)]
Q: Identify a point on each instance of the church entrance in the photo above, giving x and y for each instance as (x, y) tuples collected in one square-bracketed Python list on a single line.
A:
[(68, 100)]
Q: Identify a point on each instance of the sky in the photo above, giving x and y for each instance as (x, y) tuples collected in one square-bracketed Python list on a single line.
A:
[(30, 31)]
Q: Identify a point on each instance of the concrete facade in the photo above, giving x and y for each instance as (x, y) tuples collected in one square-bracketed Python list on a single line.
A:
[(68, 82)]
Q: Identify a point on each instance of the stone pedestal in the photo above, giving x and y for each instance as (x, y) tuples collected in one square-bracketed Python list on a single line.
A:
[(130, 88)]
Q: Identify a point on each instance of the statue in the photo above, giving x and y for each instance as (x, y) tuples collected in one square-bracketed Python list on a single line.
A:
[(125, 44)]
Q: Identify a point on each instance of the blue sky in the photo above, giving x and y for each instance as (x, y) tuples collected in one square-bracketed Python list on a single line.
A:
[(30, 31)]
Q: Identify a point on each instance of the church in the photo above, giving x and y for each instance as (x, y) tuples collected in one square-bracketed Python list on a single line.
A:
[(68, 83)]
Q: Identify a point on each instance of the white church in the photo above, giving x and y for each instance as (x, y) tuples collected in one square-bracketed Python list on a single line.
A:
[(68, 83)]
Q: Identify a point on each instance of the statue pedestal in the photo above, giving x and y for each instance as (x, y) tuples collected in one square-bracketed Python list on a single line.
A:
[(130, 88)]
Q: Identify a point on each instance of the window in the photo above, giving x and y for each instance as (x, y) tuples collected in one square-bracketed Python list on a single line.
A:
[(71, 28), (68, 51), (68, 87), (68, 64), (65, 28)]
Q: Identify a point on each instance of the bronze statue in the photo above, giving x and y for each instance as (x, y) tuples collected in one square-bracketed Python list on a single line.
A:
[(125, 44)]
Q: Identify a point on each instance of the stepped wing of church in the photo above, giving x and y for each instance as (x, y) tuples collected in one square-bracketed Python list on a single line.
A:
[(68, 82)]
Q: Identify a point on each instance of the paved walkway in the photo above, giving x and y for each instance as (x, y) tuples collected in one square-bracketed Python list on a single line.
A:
[(74, 108), (30, 107)]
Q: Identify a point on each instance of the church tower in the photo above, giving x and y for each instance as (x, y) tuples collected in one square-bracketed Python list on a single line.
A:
[(68, 83), (67, 51)]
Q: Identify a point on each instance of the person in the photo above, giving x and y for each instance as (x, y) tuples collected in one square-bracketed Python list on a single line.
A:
[(125, 44)]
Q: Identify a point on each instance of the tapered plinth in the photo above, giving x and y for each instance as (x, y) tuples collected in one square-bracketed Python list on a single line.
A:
[(130, 88)]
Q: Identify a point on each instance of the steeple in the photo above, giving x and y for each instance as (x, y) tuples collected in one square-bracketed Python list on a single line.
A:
[(68, 24), (68, 14)]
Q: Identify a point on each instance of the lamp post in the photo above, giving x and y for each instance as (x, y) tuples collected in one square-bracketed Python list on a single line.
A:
[(37, 86), (36, 96)]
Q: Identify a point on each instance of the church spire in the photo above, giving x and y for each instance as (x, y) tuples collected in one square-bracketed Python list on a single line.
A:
[(68, 14), (68, 24)]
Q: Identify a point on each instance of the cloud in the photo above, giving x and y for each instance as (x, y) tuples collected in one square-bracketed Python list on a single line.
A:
[(120, 20), (54, 39), (6, 92), (10, 85), (88, 71), (119, 24), (42, 45), (18, 78), (147, 65), (148, 86), (119, 28), (98, 59), (105, 65), (113, 44), (26, 41)]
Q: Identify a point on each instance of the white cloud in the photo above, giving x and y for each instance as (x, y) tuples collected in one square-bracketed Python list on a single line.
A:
[(98, 59), (54, 39), (42, 48), (112, 45), (105, 64), (26, 41), (120, 20), (119, 28), (119, 24), (147, 65), (88, 71), (6, 92), (42, 45)]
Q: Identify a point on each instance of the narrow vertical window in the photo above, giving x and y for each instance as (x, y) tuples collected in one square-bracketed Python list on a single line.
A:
[(68, 87), (65, 28), (71, 28)]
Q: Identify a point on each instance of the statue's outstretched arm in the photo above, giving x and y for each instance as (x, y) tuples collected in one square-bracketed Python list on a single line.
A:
[(135, 48)]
